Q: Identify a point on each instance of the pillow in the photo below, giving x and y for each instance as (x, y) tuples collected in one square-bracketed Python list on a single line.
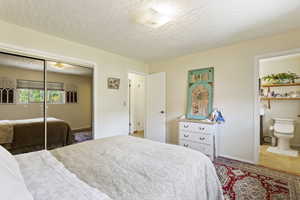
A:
[(11, 181), (7, 159)]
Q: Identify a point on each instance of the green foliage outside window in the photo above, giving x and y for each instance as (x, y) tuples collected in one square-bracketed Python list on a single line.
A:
[(56, 97), (27, 96)]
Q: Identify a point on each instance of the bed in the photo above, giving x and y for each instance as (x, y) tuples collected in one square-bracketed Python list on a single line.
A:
[(123, 168), (21, 136)]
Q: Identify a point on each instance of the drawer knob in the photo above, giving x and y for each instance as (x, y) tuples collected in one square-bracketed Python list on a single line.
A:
[(201, 128), (202, 138), (185, 145), (185, 126), (186, 135)]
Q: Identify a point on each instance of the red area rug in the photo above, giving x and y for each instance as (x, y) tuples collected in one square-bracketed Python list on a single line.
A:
[(242, 181)]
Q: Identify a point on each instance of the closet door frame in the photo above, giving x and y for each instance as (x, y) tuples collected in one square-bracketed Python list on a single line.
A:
[(47, 56), (45, 105), (45, 89)]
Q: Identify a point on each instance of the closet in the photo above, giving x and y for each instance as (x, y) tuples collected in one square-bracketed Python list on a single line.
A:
[(43, 104)]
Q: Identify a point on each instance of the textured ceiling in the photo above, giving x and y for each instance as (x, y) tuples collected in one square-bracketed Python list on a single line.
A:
[(198, 25)]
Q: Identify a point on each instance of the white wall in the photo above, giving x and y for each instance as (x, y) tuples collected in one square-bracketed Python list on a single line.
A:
[(111, 109), (282, 109), (234, 88), (137, 101)]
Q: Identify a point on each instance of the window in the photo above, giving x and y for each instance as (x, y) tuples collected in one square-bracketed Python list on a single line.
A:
[(7, 90), (30, 96), (56, 97), (33, 92), (71, 97), (7, 95), (71, 94), (37, 96)]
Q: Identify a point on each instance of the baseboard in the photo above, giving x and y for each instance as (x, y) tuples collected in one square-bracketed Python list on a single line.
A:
[(238, 159), (82, 129), (295, 145), (136, 131)]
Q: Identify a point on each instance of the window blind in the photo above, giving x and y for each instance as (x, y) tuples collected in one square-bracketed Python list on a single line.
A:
[(39, 85)]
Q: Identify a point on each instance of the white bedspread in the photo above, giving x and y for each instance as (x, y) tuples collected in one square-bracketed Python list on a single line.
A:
[(128, 168), (7, 127), (47, 179)]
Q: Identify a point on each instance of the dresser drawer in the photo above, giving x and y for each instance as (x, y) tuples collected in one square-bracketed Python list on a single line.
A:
[(196, 137), (203, 148), (196, 127)]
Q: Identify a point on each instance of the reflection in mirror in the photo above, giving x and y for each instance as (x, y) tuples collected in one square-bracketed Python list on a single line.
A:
[(69, 104), (21, 103)]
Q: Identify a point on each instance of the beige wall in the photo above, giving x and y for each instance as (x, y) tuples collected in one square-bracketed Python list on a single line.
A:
[(110, 105), (77, 115), (234, 88), (282, 109)]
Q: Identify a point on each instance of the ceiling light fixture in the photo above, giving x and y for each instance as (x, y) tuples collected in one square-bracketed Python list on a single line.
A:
[(156, 15), (59, 65), (165, 9)]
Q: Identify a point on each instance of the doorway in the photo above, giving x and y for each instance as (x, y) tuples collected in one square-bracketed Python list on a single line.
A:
[(279, 112), (137, 104)]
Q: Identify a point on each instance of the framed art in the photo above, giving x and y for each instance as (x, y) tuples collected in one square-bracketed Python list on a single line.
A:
[(200, 93), (113, 83)]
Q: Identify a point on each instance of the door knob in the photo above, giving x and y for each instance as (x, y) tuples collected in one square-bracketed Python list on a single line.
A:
[(162, 112)]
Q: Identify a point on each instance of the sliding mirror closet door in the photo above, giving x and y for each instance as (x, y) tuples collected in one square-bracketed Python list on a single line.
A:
[(22, 125), (69, 104)]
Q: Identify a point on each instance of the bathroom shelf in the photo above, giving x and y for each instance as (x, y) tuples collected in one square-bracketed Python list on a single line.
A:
[(269, 99), (279, 98), (280, 85)]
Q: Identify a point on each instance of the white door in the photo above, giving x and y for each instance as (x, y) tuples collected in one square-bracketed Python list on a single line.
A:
[(156, 107)]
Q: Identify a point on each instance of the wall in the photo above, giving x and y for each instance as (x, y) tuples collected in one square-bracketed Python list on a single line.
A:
[(77, 115), (282, 109), (138, 94), (110, 105), (234, 88)]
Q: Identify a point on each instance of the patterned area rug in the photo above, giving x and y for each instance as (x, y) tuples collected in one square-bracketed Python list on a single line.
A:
[(242, 181), (83, 136)]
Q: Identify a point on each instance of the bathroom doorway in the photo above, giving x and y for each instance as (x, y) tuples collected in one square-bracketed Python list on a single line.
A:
[(137, 108), (279, 112)]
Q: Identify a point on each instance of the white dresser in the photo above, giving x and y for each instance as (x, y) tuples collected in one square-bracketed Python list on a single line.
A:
[(200, 136)]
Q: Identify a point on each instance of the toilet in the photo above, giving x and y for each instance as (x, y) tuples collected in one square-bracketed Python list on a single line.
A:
[(284, 130)]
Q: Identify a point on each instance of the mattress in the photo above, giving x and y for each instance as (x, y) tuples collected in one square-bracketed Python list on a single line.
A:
[(28, 135)]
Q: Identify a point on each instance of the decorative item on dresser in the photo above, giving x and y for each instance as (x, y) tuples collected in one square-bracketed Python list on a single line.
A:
[(199, 135)]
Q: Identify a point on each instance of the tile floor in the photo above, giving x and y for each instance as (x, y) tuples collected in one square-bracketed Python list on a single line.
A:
[(279, 162), (138, 134)]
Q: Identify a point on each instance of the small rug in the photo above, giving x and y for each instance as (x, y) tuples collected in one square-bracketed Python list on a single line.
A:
[(83, 136), (243, 181)]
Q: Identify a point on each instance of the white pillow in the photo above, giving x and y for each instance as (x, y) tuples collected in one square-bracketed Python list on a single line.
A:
[(7, 159), (11, 180)]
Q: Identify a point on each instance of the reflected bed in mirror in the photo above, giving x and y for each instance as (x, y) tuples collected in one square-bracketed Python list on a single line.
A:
[(22, 136)]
